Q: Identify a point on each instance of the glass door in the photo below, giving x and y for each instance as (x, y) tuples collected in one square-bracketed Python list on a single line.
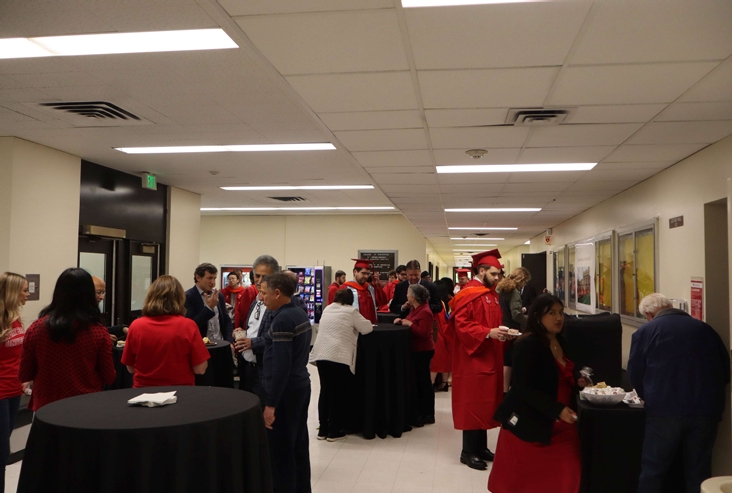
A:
[(144, 268), (98, 257)]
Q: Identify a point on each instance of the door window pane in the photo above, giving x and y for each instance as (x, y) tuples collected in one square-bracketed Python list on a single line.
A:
[(604, 286), (94, 264), (645, 264), (570, 277), (141, 280)]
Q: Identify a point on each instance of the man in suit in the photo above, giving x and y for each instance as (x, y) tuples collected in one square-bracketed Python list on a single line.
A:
[(206, 306), (399, 302)]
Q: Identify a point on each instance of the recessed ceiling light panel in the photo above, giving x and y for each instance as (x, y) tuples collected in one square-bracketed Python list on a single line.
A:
[(486, 229), (327, 146), (498, 209), (514, 168), (297, 208), (451, 3), (304, 187)]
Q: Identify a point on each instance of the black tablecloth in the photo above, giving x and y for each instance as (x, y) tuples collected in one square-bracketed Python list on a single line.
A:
[(212, 439), (381, 395), (219, 373), (386, 317), (611, 442)]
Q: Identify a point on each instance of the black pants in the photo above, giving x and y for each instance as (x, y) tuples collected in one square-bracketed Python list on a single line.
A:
[(424, 392), (249, 380), (288, 443), (336, 381), (474, 441)]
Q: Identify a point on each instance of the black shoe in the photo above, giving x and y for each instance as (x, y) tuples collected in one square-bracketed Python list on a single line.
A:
[(428, 420), (417, 423), (473, 461), (486, 455), (322, 433), (334, 437)]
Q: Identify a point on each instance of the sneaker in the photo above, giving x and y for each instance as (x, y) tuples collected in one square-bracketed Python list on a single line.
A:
[(322, 434), (334, 437)]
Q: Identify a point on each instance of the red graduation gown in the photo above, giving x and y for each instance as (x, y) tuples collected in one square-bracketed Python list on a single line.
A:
[(242, 306), (332, 291), (441, 360), (477, 362), (365, 301)]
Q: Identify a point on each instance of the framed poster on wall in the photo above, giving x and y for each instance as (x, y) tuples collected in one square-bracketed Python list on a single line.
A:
[(384, 261)]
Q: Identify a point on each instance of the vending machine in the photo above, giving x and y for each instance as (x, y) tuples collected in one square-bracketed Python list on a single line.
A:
[(312, 287)]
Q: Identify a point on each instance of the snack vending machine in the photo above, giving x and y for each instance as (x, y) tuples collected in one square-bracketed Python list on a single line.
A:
[(312, 287)]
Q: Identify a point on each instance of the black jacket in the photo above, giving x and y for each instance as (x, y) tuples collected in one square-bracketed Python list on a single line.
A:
[(196, 311), (400, 297), (532, 399)]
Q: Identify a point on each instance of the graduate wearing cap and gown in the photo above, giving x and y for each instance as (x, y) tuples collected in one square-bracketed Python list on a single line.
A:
[(366, 297), (477, 359), (462, 279)]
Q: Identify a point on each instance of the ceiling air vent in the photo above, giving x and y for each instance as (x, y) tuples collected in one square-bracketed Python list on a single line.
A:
[(89, 113), (289, 199), (537, 117)]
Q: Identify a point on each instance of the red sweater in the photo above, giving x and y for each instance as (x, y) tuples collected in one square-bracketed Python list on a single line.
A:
[(60, 369), (10, 350), (164, 351), (421, 329)]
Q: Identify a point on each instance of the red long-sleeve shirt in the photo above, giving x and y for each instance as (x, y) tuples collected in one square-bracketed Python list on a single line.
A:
[(421, 330), (60, 369)]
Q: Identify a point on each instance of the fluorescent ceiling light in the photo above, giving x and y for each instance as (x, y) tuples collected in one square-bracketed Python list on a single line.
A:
[(327, 146), (514, 168), (450, 3), (112, 43), (475, 244), (498, 209), (479, 239), (471, 250), (488, 229), (528, 242), (305, 187), (297, 208)]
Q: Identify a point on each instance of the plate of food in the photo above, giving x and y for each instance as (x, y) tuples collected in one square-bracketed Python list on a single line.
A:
[(603, 395), (208, 342), (121, 343)]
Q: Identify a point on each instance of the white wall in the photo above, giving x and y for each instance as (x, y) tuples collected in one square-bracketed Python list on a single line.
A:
[(184, 233), (512, 258), (308, 240), (40, 212)]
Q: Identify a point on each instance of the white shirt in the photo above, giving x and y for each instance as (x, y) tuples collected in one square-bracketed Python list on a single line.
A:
[(253, 328), (214, 327)]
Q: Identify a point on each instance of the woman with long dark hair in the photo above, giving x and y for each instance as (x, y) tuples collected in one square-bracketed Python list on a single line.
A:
[(538, 445), (440, 366), (67, 351)]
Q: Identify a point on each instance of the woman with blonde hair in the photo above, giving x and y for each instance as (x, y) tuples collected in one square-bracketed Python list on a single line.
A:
[(13, 294), (514, 315), (163, 347)]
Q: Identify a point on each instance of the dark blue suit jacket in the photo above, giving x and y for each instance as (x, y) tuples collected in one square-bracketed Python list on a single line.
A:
[(199, 313)]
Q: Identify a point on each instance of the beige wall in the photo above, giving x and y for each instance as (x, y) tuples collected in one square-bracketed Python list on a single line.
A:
[(184, 233), (308, 240), (512, 258), (40, 214)]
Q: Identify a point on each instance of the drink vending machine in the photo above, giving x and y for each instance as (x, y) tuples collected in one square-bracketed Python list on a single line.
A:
[(312, 287)]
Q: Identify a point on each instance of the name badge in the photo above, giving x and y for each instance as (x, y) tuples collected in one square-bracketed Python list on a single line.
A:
[(513, 419)]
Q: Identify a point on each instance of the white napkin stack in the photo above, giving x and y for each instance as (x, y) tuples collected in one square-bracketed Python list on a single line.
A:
[(154, 400), (632, 399)]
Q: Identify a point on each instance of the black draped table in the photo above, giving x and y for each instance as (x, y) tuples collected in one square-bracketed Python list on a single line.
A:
[(386, 317), (381, 393), (611, 442), (219, 373), (212, 439)]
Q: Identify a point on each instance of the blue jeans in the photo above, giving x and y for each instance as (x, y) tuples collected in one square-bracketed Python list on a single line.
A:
[(8, 412), (664, 435)]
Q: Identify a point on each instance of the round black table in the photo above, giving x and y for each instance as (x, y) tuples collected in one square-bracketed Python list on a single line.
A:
[(386, 317), (212, 439), (382, 392), (219, 373)]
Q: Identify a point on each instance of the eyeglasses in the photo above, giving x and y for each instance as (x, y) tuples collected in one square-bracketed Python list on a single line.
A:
[(101, 293), (258, 310)]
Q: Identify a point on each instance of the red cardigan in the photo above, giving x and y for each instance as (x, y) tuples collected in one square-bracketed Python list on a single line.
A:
[(421, 331), (60, 369)]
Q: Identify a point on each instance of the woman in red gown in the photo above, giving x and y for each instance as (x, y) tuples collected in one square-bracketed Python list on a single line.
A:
[(441, 362), (538, 445)]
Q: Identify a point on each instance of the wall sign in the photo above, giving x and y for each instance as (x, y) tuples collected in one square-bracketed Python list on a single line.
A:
[(384, 261), (676, 222), (34, 286), (697, 298)]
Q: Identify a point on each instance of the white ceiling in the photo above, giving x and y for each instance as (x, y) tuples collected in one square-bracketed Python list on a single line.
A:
[(398, 91)]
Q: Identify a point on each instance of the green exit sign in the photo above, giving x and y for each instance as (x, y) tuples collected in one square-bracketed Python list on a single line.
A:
[(149, 181)]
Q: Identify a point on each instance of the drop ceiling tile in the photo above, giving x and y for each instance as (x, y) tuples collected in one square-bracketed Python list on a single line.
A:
[(610, 186), (621, 113), (446, 157), (592, 154), (382, 140), (378, 91), (536, 187), (547, 177), (582, 135), (377, 159), (478, 137), (372, 120), (405, 179), (682, 132), (329, 42), (379, 170), (696, 111), (669, 152), (714, 87), (625, 32), (466, 117), (440, 36), (471, 188), (400, 188), (657, 165), (627, 84), (514, 87), (259, 7), (479, 179), (605, 175)]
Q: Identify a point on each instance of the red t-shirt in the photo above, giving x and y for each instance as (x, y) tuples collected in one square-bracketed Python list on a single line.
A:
[(164, 351), (10, 350), (61, 369)]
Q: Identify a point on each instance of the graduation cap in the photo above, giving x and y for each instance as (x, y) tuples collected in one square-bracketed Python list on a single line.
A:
[(487, 258), (463, 272), (363, 263)]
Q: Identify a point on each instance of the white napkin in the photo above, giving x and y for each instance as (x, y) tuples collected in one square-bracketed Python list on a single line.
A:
[(632, 398), (154, 400)]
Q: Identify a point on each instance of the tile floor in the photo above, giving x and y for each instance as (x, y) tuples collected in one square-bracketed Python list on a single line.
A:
[(425, 460)]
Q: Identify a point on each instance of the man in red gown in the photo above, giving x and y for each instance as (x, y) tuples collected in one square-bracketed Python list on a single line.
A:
[(244, 301), (340, 278), (462, 279), (477, 359), (366, 297)]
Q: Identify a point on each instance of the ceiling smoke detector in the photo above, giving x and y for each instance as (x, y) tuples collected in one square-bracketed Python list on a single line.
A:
[(476, 153)]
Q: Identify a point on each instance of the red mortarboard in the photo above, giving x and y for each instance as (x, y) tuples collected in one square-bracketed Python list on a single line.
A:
[(487, 258), (463, 272), (362, 263)]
